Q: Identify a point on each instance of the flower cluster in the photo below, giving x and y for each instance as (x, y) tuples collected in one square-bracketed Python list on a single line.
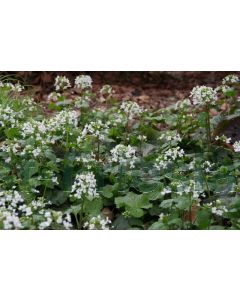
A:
[(97, 223), (169, 156), (124, 155), (223, 139), (217, 208), (82, 102), (97, 129), (202, 94), (230, 79), (84, 186), (54, 96), (117, 119), (106, 90), (170, 136), (55, 216), (142, 138), (16, 214), (12, 87), (166, 190), (63, 120), (88, 160), (191, 188), (11, 203), (131, 109), (207, 166), (83, 82), (236, 146), (61, 83), (182, 104), (9, 117)]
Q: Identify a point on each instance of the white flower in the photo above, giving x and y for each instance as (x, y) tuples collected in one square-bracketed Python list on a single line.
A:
[(61, 83), (106, 90), (219, 210), (82, 102), (13, 87), (36, 152), (202, 94), (97, 223), (165, 191), (207, 166), (28, 211), (60, 122), (7, 160), (67, 223), (161, 216), (170, 136), (190, 187), (84, 185), (27, 129), (8, 117), (230, 79), (142, 138), (131, 109), (54, 96), (124, 155), (223, 138), (55, 180), (96, 129), (160, 163), (83, 82), (236, 146), (173, 153), (183, 104), (192, 165), (11, 221)]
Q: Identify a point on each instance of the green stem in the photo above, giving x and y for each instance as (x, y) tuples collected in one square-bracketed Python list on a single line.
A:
[(76, 218), (81, 214), (190, 212), (207, 186), (208, 127), (98, 149)]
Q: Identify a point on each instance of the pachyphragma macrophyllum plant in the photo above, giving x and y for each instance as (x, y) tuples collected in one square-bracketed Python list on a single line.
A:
[(95, 163)]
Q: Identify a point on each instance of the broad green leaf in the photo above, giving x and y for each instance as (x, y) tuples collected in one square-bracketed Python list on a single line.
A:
[(30, 168), (203, 219), (93, 207), (134, 204), (183, 203)]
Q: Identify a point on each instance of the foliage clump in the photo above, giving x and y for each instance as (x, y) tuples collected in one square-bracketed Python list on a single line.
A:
[(96, 163)]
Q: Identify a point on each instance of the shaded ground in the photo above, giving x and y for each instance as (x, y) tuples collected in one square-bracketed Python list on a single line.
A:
[(151, 89)]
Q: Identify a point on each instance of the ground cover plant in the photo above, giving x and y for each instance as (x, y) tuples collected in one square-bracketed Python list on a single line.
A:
[(92, 162)]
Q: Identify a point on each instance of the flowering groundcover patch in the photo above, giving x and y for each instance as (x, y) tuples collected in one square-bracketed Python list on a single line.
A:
[(96, 163)]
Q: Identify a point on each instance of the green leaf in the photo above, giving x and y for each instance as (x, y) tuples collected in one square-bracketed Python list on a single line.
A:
[(107, 191), (147, 148), (12, 132), (203, 219), (93, 207), (183, 203), (167, 203), (57, 197), (49, 154), (202, 119), (31, 167), (121, 223), (67, 178), (134, 204), (157, 226), (75, 209)]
